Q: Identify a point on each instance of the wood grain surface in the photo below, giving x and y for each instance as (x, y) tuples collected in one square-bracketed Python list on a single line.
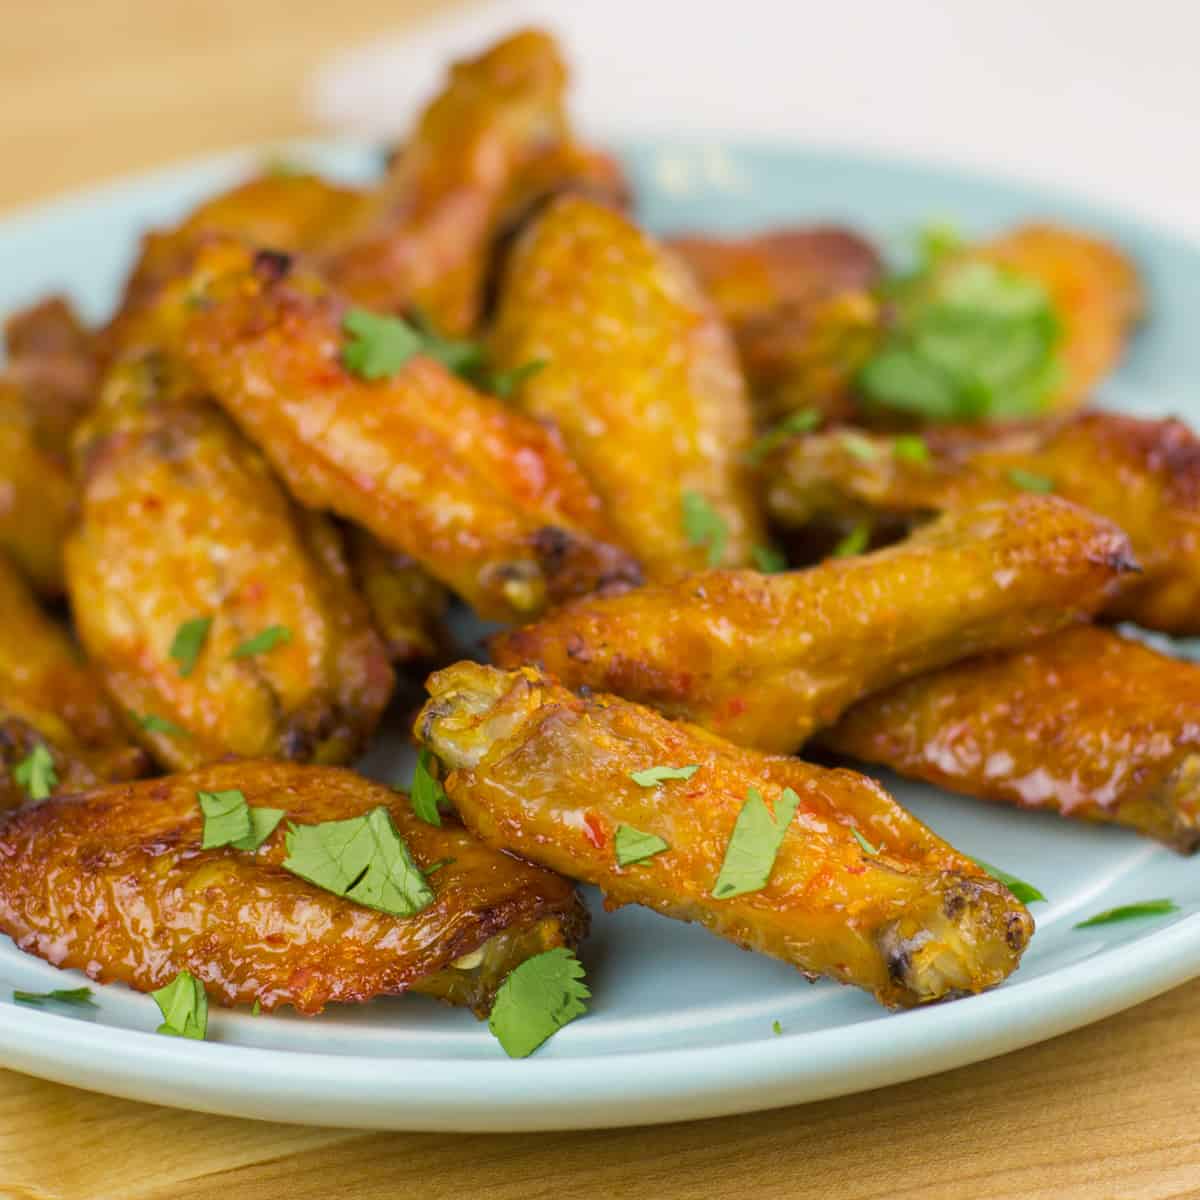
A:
[(89, 90)]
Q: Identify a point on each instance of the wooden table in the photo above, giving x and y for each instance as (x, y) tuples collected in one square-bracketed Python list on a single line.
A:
[(92, 90)]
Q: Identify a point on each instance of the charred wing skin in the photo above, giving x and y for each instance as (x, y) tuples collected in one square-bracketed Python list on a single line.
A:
[(1143, 474), (182, 520), (483, 497), (639, 376), (114, 882), (546, 775), (764, 660), (49, 697), (1086, 723)]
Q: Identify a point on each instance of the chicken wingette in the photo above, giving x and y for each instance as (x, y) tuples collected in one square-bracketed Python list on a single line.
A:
[(1143, 474), (1085, 722), (764, 660), (117, 883), (639, 374), (50, 698), (221, 614), (483, 497), (547, 775)]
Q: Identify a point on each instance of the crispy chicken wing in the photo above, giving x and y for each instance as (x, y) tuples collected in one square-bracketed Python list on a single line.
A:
[(483, 497), (489, 144), (764, 660), (1143, 474), (1086, 722), (639, 375), (545, 774), (115, 882), (49, 697), (183, 522)]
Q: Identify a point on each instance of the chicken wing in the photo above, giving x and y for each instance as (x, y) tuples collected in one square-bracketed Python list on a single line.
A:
[(483, 497), (1085, 722), (1143, 474), (640, 377), (764, 660), (50, 698), (183, 527), (488, 145), (115, 882), (547, 775)]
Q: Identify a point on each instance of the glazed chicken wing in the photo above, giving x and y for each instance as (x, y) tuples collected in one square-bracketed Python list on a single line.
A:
[(639, 375), (1084, 722), (1143, 474), (115, 882), (483, 497), (50, 698), (183, 527), (547, 775), (764, 660)]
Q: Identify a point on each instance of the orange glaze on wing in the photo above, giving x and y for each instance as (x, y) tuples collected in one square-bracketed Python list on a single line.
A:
[(114, 882)]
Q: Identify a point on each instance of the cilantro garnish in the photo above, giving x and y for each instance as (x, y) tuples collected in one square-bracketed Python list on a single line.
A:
[(911, 448), (803, 421), (184, 1007), (187, 643), (855, 542), (80, 995), (704, 526), (867, 848), (505, 383), (634, 846), (860, 447), (378, 346), (260, 643), (427, 794), (1029, 481), (1025, 892), (36, 773), (536, 1000), (363, 859), (754, 843), (1130, 912), (768, 560), (653, 776), (230, 821), (256, 1008), (152, 723), (776, 1028)]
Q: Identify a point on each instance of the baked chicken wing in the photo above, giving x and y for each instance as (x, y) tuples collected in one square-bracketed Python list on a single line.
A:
[(1143, 474), (116, 882), (540, 772), (50, 698), (221, 614), (764, 660), (485, 498), (639, 375), (1084, 722)]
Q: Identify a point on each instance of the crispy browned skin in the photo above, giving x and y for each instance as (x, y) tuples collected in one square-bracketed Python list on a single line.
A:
[(1095, 289), (489, 144), (1084, 722), (48, 696), (485, 498), (764, 660), (640, 376), (182, 519), (407, 607), (1143, 474), (545, 774), (114, 882)]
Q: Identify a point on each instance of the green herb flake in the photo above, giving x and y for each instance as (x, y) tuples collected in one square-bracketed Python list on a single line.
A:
[(1130, 912), (911, 448), (754, 843), (776, 1028), (634, 846), (860, 447), (260, 643), (36, 774), (536, 1000), (377, 346), (768, 560), (427, 795), (256, 1008), (505, 383), (152, 723), (230, 821), (653, 776), (1029, 481), (437, 866), (187, 643), (866, 846), (363, 859), (804, 420), (704, 526), (855, 542), (80, 995), (184, 1007), (1025, 892)]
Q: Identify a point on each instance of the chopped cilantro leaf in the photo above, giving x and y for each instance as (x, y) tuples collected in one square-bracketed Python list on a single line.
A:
[(776, 1028), (36, 774), (1028, 481), (256, 1008), (867, 848), (427, 795), (754, 843), (634, 846), (768, 560), (704, 526), (855, 542), (80, 995), (911, 448), (230, 821), (377, 346), (653, 776), (152, 723), (803, 421), (1025, 892), (860, 447), (260, 643), (187, 643), (536, 1000), (1130, 912), (505, 383), (184, 1007)]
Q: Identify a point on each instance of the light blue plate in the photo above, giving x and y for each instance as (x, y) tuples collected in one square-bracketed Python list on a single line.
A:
[(681, 1023)]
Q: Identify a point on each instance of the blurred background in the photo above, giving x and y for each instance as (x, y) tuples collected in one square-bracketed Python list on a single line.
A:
[(1100, 97)]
